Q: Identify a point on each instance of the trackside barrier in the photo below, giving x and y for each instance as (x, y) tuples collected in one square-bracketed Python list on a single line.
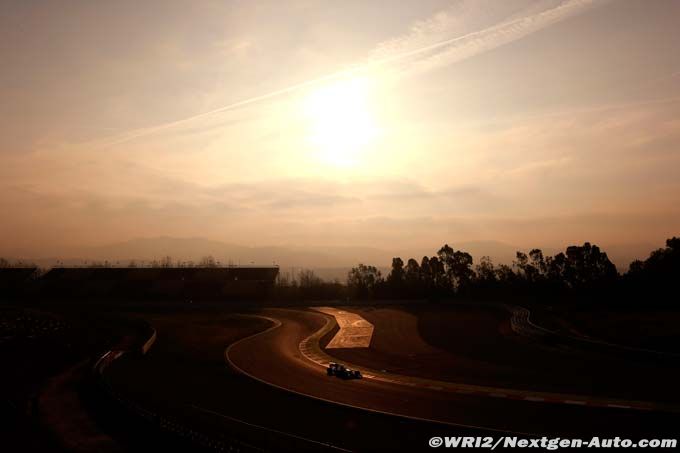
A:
[(162, 422), (521, 323), (272, 440), (149, 342)]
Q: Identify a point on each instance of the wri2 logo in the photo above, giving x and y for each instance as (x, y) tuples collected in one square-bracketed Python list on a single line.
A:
[(546, 443)]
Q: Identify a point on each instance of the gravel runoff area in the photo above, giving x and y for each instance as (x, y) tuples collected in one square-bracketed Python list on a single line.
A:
[(353, 330), (475, 344)]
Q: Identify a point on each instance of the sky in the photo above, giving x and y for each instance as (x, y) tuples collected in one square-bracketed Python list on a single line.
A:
[(397, 125)]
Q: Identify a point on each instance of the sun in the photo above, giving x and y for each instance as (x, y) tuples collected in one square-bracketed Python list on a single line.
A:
[(340, 121)]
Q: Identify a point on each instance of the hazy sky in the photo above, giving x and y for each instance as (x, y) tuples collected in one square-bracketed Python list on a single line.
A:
[(382, 123)]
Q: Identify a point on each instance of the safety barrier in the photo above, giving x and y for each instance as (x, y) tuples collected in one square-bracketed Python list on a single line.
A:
[(520, 323), (168, 425), (149, 342)]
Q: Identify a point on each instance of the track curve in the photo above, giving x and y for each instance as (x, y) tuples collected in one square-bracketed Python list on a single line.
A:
[(273, 357), (278, 324)]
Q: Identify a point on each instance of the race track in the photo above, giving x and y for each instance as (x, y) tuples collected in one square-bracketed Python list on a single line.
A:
[(274, 357)]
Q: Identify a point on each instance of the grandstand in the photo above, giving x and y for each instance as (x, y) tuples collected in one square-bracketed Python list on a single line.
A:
[(15, 281), (169, 283)]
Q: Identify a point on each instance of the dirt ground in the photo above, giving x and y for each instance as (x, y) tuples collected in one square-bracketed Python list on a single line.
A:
[(659, 330), (476, 345)]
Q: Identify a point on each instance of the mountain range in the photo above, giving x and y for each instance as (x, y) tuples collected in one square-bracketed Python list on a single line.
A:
[(328, 262)]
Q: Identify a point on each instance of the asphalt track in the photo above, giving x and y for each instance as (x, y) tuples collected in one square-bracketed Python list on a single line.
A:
[(480, 346), (184, 378), (274, 357)]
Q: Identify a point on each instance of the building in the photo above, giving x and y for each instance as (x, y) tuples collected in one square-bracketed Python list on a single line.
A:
[(162, 283), (16, 281)]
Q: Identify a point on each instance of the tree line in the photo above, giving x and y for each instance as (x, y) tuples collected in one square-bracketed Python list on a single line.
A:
[(165, 262), (581, 273)]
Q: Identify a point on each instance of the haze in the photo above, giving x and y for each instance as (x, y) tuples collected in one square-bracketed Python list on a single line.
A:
[(395, 125)]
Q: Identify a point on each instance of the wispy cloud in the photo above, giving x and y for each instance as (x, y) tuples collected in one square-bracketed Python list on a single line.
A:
[(448, 51), (441, 40)]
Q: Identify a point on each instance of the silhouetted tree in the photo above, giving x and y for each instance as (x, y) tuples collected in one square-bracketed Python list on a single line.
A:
[(529, 267), (397, 273), (462, 270), (395, 283), (207, 261), (652, 281), (506, 276), (307, 286), (412, 278), (308, 279), (446, 257), (587, 265), (583, 274), (557, 266), (426, 279), (664, 262), (539, 264), (363, 280), (636, 267), (486, 273), (435, 280), (458, 268)]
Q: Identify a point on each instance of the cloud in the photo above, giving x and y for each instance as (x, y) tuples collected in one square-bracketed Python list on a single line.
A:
[(429, 51), (431, 43)]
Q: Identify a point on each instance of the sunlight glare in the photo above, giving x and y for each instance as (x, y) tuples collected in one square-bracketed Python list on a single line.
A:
[(340, 121)]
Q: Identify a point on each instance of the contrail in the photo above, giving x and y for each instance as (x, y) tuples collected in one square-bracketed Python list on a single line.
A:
[(544, 18)]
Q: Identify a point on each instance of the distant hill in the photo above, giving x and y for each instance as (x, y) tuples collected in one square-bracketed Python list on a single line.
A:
[(329, 262), (193, 249)]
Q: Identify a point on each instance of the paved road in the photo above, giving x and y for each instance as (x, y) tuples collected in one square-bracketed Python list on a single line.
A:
[(274, 357), (477, 345), (184, 378)]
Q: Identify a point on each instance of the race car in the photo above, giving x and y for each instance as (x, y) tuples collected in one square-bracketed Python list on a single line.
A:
[(341, 371)]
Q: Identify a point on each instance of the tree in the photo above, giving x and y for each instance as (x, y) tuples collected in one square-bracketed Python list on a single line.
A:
[(636, 267), (653, 279), (439, 283), (396, 278), (412, 277), (165, 262), (308, 279), (426, 279), (458, 268), (207, 261), (462, 270), (586, 265), (557, 266), (538, 263), (665, 261), (363, 280), (486, 273), (446, 256), (397, 274), (525, 269), (505, 275)]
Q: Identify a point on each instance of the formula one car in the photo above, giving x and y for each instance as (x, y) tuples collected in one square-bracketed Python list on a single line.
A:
[(336, 369)]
